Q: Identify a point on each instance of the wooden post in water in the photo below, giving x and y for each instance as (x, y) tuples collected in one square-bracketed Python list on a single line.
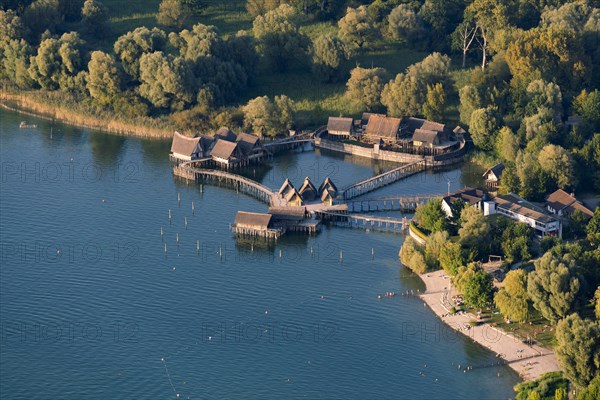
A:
[(193, 210), (178, 199)]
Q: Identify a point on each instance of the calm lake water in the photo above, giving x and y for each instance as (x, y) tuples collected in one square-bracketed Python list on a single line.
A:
[(90, 306)]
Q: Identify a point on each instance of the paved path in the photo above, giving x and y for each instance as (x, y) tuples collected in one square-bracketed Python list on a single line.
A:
[(529, 361)]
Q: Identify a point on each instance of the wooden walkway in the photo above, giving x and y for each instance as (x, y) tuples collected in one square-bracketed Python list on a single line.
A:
[(363, 221), (378, 181), (391, 203), (238, 182)]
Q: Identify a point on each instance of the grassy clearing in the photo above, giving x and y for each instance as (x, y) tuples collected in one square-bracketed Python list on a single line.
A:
[(537, 328)]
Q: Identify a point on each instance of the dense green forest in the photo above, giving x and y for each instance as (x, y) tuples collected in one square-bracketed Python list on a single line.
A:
[(522, 76)]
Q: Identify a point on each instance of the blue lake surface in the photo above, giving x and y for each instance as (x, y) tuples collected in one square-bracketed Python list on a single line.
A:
[(91, 307)]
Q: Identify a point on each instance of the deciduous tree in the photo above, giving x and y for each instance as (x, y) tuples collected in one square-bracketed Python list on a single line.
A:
[(278, 38), (131, 46), (512, 299), (431, 216), (557, 163), (94, 15), (267, 118), (405, 24), (435, 104), (470, 100), (365, 86), (357, 28), (172, 13), (474, 231), (552, 287), (328, 53), (578, 349), (104, 80), (165, 81), (483, 127)]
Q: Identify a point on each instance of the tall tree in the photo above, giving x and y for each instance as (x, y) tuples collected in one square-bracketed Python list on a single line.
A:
[(436, 102), (474, 232), (165, 81), (278, 38), (328, 53), (552, 54), (478, 290), (173, 13), (104, 80), (507, 144), (470, 100), (357, 28), (365, 86), (463, 37), (483, 127), (267, 118), (403, 96), (131, 46), (489, 16), (557, 163), (94, 15), (431, 216), (42, 15), (552, 287), (512, 299), (405, 24), (578, 349)]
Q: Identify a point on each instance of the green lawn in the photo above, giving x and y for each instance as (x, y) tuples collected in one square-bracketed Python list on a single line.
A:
[(539, 329)]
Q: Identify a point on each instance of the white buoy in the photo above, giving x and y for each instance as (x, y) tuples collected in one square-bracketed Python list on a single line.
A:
[(197, 246), (341, 255)]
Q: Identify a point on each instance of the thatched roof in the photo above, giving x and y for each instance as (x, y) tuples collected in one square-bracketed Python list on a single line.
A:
[(326, 194), (412, 124), (286, 187), (287, 213), (252, 220), (339, 124), (426, 136), (496, 170), (308, 191), (290, 194), (224, 149), (185, 146), (364, 119), (329, 185), (226, 134), (247, 142), (382, 126), (459, 130)]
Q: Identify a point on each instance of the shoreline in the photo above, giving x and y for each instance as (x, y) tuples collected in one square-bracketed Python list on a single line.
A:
[(530, 362), (13, 103)]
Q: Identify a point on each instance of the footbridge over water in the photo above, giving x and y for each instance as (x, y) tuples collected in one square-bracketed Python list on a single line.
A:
[(189, 170), (378, 181), (407, 203), (363, 221)]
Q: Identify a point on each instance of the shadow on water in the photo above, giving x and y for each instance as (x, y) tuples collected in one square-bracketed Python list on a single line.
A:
[(106, 149), (156, 151)]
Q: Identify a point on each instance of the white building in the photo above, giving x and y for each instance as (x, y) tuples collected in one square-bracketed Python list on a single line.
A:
[(512, 206)]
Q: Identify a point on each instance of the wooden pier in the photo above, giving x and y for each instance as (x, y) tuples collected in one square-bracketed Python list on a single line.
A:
[(393, 203), (378, 181), (362, 221), (238, 182)]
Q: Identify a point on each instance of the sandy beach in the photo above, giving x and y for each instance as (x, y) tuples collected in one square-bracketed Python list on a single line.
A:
[(529, 361)]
